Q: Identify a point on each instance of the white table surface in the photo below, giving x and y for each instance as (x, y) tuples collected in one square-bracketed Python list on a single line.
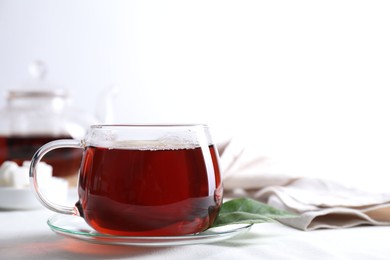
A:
[(25, 235)]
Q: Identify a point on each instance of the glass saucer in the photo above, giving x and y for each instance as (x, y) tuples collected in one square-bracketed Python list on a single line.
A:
[(76, 227)]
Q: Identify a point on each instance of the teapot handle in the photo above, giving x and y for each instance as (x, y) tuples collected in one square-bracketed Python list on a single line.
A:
[(64, 143)]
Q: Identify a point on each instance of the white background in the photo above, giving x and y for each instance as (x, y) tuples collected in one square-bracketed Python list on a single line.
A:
[(307, 82)]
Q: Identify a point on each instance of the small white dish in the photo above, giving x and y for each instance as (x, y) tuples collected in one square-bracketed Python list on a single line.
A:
[(18, 199), (75, 227), (12, 198)]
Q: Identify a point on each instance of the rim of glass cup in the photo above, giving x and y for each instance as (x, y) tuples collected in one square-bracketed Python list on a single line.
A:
[(149, 125), (116, 135)]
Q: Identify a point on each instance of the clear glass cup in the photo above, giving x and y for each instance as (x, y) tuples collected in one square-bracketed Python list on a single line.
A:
[(143, 180)]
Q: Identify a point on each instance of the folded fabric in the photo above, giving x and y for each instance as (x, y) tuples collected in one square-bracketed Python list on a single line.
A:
[(318, 203), (326, 204)]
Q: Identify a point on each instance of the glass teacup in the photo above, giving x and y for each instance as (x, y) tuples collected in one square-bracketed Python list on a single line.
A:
[(143, 180)]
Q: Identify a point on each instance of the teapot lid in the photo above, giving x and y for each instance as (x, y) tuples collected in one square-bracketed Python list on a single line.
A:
[(23, 93), (37, 86)]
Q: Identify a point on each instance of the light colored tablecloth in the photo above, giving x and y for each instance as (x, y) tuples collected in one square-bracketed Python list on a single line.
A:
[(25, 235)]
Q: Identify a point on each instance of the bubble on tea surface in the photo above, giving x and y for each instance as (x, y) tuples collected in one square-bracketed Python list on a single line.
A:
[(159, 144), (102, 138), (173, 142)]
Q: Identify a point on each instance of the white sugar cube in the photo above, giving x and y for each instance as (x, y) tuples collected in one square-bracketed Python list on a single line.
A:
[(11, 175), (7, 169)]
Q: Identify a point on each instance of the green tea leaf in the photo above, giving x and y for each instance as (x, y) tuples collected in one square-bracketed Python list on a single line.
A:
[(248, 211)]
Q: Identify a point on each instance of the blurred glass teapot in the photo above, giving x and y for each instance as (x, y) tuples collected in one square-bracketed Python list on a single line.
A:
[(38, 113)]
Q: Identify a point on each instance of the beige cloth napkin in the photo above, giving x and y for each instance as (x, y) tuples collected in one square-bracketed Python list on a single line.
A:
[(318, 203)]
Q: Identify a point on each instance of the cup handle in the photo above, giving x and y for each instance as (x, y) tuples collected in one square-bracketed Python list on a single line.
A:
[(63, 143)]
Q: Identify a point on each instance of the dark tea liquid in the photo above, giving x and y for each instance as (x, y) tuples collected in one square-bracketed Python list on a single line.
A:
[(149, 192), (65, 162)]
